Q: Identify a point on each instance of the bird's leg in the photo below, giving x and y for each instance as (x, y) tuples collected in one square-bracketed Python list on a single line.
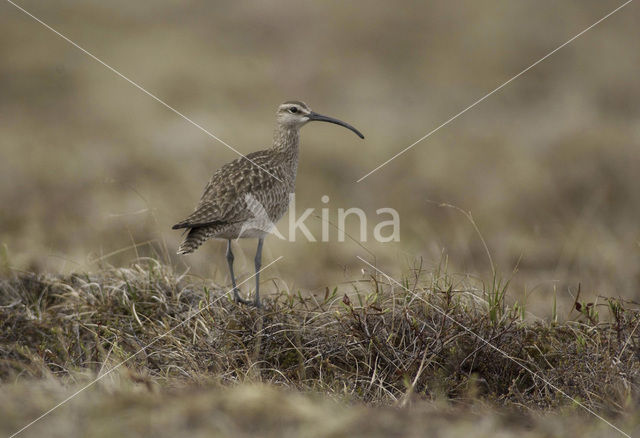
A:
[(258, 261), (236, 295)]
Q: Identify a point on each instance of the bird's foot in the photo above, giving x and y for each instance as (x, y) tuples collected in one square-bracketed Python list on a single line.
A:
[(238, 299)]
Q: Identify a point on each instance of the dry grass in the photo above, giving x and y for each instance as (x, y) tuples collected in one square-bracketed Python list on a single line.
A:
[(382, 346)]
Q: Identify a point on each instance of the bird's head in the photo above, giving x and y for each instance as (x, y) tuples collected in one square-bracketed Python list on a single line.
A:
[(295, 114)]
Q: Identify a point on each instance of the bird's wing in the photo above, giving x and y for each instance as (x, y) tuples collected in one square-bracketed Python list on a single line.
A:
[(207, 213), (223, 201)]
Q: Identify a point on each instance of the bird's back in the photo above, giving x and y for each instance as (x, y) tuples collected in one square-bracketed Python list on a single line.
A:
[(266, 176)]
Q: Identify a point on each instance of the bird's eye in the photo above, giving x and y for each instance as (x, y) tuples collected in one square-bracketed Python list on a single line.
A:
[(293, 110)]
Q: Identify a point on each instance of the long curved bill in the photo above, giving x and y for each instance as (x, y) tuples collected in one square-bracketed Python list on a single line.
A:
[(320, 118)]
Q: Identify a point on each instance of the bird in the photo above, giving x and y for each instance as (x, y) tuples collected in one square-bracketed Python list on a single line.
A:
[(257, 182)]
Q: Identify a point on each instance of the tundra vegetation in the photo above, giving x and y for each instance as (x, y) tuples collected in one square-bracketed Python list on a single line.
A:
[(93, 173)]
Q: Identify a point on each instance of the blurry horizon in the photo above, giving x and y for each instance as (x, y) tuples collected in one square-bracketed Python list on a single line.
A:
[(548, 166)]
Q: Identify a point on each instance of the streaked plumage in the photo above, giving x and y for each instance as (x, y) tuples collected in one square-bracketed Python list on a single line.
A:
[(222, 209)]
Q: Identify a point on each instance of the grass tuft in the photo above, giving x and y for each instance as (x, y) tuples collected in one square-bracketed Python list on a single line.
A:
[(381, 344)]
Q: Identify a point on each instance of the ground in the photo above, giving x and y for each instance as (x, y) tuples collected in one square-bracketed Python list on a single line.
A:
[(158, 353)]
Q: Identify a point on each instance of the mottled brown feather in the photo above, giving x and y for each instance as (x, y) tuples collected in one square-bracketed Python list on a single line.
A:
[(268, 176)]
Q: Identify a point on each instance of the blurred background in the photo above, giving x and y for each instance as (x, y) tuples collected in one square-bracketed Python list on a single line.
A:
[(94, 172)]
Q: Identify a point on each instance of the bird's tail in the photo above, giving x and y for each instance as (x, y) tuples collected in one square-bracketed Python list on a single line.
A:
[(195, 238)]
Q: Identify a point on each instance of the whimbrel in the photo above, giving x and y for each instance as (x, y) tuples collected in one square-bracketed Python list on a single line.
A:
[(266, 177)]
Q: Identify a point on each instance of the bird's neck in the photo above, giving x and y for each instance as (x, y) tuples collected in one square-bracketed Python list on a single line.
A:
[(287, 141)]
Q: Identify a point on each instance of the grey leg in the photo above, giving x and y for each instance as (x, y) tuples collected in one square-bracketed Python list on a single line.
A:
[(258, 261), (236, 296)]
